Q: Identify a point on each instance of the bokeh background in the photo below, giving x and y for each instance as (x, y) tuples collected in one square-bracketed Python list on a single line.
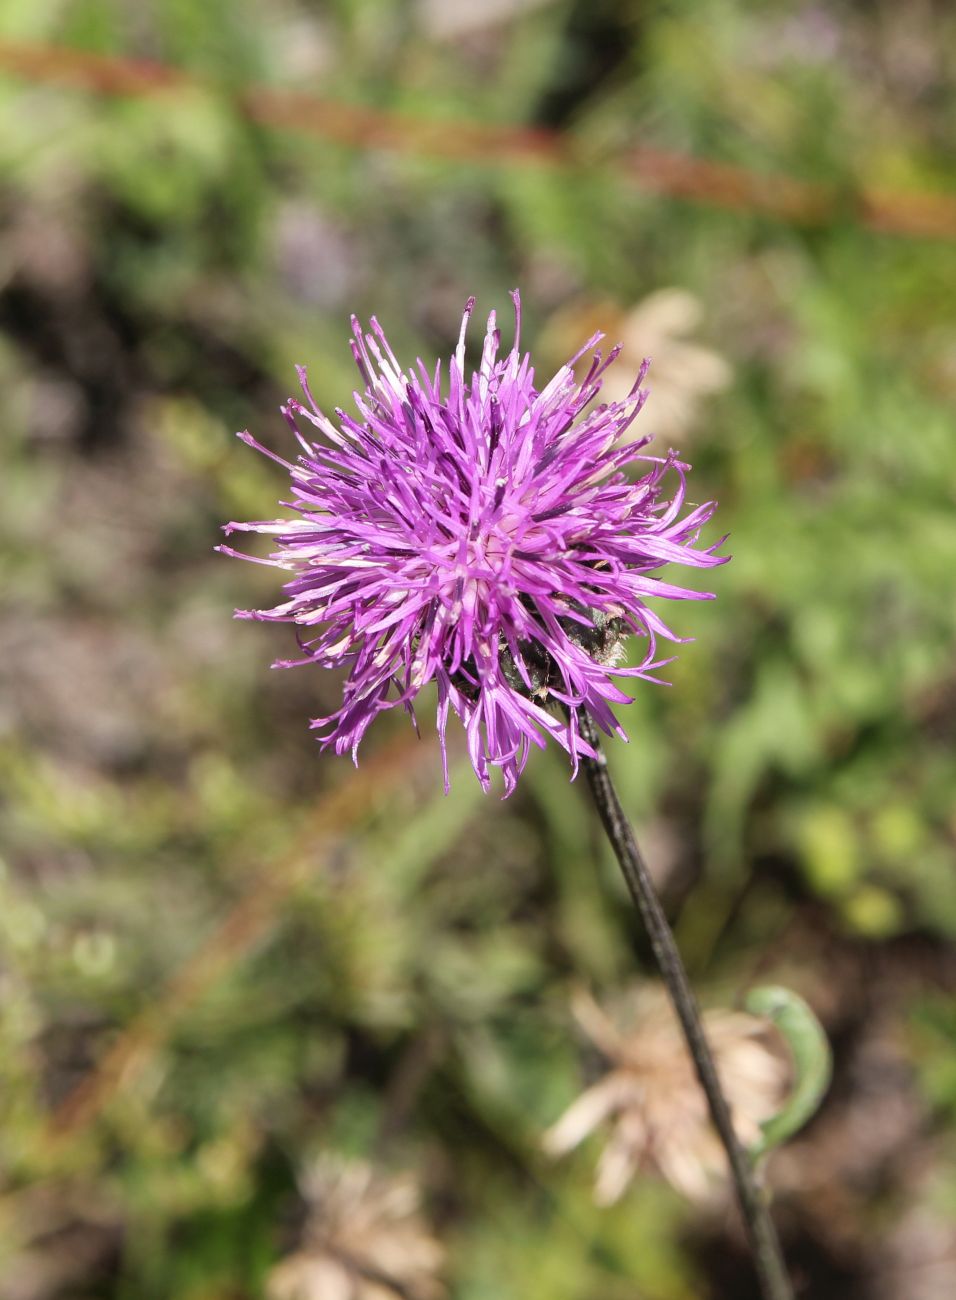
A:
[(228, 964)]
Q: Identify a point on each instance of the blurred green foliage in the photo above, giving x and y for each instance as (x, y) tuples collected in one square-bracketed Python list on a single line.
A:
[(165, 263)]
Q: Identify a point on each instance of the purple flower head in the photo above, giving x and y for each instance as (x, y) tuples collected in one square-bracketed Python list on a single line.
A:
[(482, 533)]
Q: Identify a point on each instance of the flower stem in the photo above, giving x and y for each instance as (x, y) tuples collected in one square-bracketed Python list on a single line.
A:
[(768, 1258)]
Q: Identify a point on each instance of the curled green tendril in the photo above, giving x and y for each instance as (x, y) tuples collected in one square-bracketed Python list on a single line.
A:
[(811, 1059)]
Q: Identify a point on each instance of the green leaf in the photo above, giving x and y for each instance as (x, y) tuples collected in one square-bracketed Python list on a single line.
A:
[(812, 1061)]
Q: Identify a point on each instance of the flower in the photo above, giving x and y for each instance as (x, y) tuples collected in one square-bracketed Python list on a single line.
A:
[(684, 372), (481, 534), (652, 1097), (364, 1239)]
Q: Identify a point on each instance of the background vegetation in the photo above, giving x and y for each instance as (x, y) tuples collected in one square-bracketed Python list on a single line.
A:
[(222, 954)]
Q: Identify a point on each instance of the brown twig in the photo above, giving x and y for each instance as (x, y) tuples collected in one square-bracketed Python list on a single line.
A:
[(673, 175)]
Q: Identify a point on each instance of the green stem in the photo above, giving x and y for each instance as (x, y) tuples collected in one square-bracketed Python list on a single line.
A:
[(768, 1258)]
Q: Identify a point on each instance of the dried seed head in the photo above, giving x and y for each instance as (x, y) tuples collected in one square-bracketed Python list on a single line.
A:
[(650, 1097)]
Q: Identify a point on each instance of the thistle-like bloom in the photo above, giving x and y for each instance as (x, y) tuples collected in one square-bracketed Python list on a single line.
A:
[(481, 533), (651, 1098)]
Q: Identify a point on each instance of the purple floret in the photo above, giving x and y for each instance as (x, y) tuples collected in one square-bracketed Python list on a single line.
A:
[(481, 534)]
